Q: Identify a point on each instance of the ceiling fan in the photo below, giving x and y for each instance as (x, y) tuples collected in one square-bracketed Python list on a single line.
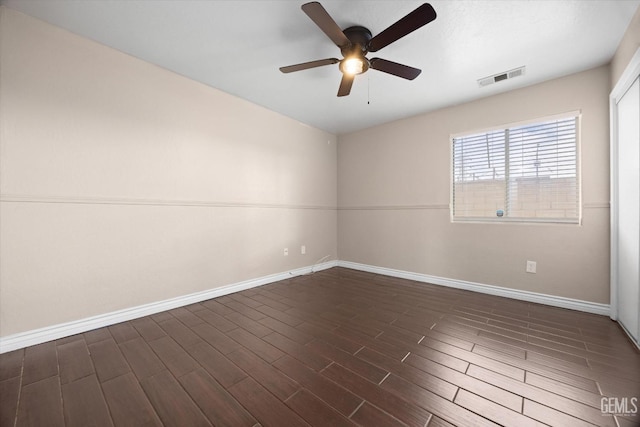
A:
[(355, 42)]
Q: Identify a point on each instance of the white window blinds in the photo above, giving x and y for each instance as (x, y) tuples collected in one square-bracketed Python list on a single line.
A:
[(522, 173)]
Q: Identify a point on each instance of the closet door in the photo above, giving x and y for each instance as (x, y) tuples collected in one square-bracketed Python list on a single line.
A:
[(628, 210)]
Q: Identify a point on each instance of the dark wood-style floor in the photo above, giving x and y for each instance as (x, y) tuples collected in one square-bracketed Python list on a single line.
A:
[(336, 348)]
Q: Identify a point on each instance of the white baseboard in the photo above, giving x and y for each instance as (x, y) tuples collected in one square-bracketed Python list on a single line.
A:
[(556, 301), (38, 336), (49, 333)]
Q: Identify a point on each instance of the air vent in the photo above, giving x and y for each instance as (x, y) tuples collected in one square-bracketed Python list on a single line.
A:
[(500, 77)]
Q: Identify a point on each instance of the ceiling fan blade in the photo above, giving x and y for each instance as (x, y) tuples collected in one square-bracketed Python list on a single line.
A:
[(394, 68), (310, 64), (321, 17), (345, 85), (411, 22)]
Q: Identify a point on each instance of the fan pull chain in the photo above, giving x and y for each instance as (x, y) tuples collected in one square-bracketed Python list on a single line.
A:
[(368, 87)]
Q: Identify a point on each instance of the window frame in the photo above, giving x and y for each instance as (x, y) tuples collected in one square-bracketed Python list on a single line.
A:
[(577, 114)]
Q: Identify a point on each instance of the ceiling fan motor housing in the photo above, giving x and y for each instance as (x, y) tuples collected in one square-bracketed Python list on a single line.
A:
[(359, 38)]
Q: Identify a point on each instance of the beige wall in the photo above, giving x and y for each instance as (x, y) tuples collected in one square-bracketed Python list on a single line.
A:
[(393, 197), (627, 48), (124, 184)]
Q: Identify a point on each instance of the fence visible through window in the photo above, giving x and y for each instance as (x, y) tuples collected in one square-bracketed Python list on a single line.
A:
[(522, 173)]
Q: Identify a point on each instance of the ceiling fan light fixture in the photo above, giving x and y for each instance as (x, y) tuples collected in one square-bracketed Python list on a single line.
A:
[(354, 65)]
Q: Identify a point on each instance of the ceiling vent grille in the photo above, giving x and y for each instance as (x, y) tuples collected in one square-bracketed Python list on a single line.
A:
[(486, 81)]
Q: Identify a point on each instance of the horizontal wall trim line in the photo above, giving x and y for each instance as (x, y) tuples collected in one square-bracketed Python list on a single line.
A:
[(391, 207), (596, 205), (589, 205), (556, 301), (50, 333), (15, 198)]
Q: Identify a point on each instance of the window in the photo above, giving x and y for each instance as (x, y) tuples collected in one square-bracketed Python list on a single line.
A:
[(519, 173)]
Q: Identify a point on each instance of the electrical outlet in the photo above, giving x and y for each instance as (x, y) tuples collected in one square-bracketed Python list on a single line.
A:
[(286, 251), (531, 267), (303, 249)]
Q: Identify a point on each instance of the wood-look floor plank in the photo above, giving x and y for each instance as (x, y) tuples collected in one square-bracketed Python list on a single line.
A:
[(265, 291), (568, 406), (496, 353), (315, 411), (108, 359), (256, 328), (433, 403), (542, 338), (215, 338), (148, 329), (180, 333), (128, 404), (541, 369), (439, 422), (97, 335), (369, 415), (186, 316), (414, 365), (74, 360), (141, 358), (269, 411), (161, 317), (492, 411), (195, 307), (40, 362), (217, 404), (312, 316), (290, 332), (457, 342), (443, 357), (399, 333), (249, 302), (216, 320), (470, 357), (256, 345), (217, 307), (221, 368), (625, 422), (551, 417), (557, 387), (307, 355), (84, 403), (39, 404), (174, 357), (562, 365), (558, 351), (406, 412), (172, 403), (624, 370), (330, 337), (271, 378), (279, 315), (241, 308), (11, 364), (69, 339), (335, 395), (360, 366), (9, 392), (270, 302), (123, 332)]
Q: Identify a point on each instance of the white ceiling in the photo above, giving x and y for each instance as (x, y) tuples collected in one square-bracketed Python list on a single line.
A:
[(238, 46)]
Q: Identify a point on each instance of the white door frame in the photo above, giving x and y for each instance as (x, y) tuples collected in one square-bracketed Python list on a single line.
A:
[(629, 76)]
